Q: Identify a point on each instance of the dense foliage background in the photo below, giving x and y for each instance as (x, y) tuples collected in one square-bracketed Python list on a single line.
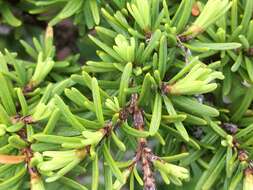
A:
[(126, 94)]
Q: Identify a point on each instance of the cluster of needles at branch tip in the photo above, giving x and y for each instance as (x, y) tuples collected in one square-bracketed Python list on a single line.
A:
[(126, 94)]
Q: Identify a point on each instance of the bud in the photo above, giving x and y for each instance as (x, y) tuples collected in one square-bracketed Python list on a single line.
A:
[(248, 179), (36, 183), (174, 172), (92, 138), (49, 32)]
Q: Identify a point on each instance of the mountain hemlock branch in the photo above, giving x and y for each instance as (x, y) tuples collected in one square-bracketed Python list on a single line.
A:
[(126, 94)]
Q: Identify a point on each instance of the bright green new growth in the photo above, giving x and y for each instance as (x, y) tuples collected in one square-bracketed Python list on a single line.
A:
[(207, 17), (159, 95)]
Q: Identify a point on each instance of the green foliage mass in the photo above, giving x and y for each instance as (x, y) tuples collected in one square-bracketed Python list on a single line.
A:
[(126, 94)]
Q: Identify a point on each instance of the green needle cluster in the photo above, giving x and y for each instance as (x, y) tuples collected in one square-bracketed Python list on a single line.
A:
[(126, 94)]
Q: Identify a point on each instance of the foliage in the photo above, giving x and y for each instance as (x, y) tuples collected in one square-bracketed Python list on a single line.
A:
[(163, 99)]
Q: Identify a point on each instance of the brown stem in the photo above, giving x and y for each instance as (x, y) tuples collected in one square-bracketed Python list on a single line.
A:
[(23, 119), (29, 87), (108, 128), (165, 88), (148, 176), (243, 156), (31, 170), (187, 52), (250, 52), (143, 153)]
